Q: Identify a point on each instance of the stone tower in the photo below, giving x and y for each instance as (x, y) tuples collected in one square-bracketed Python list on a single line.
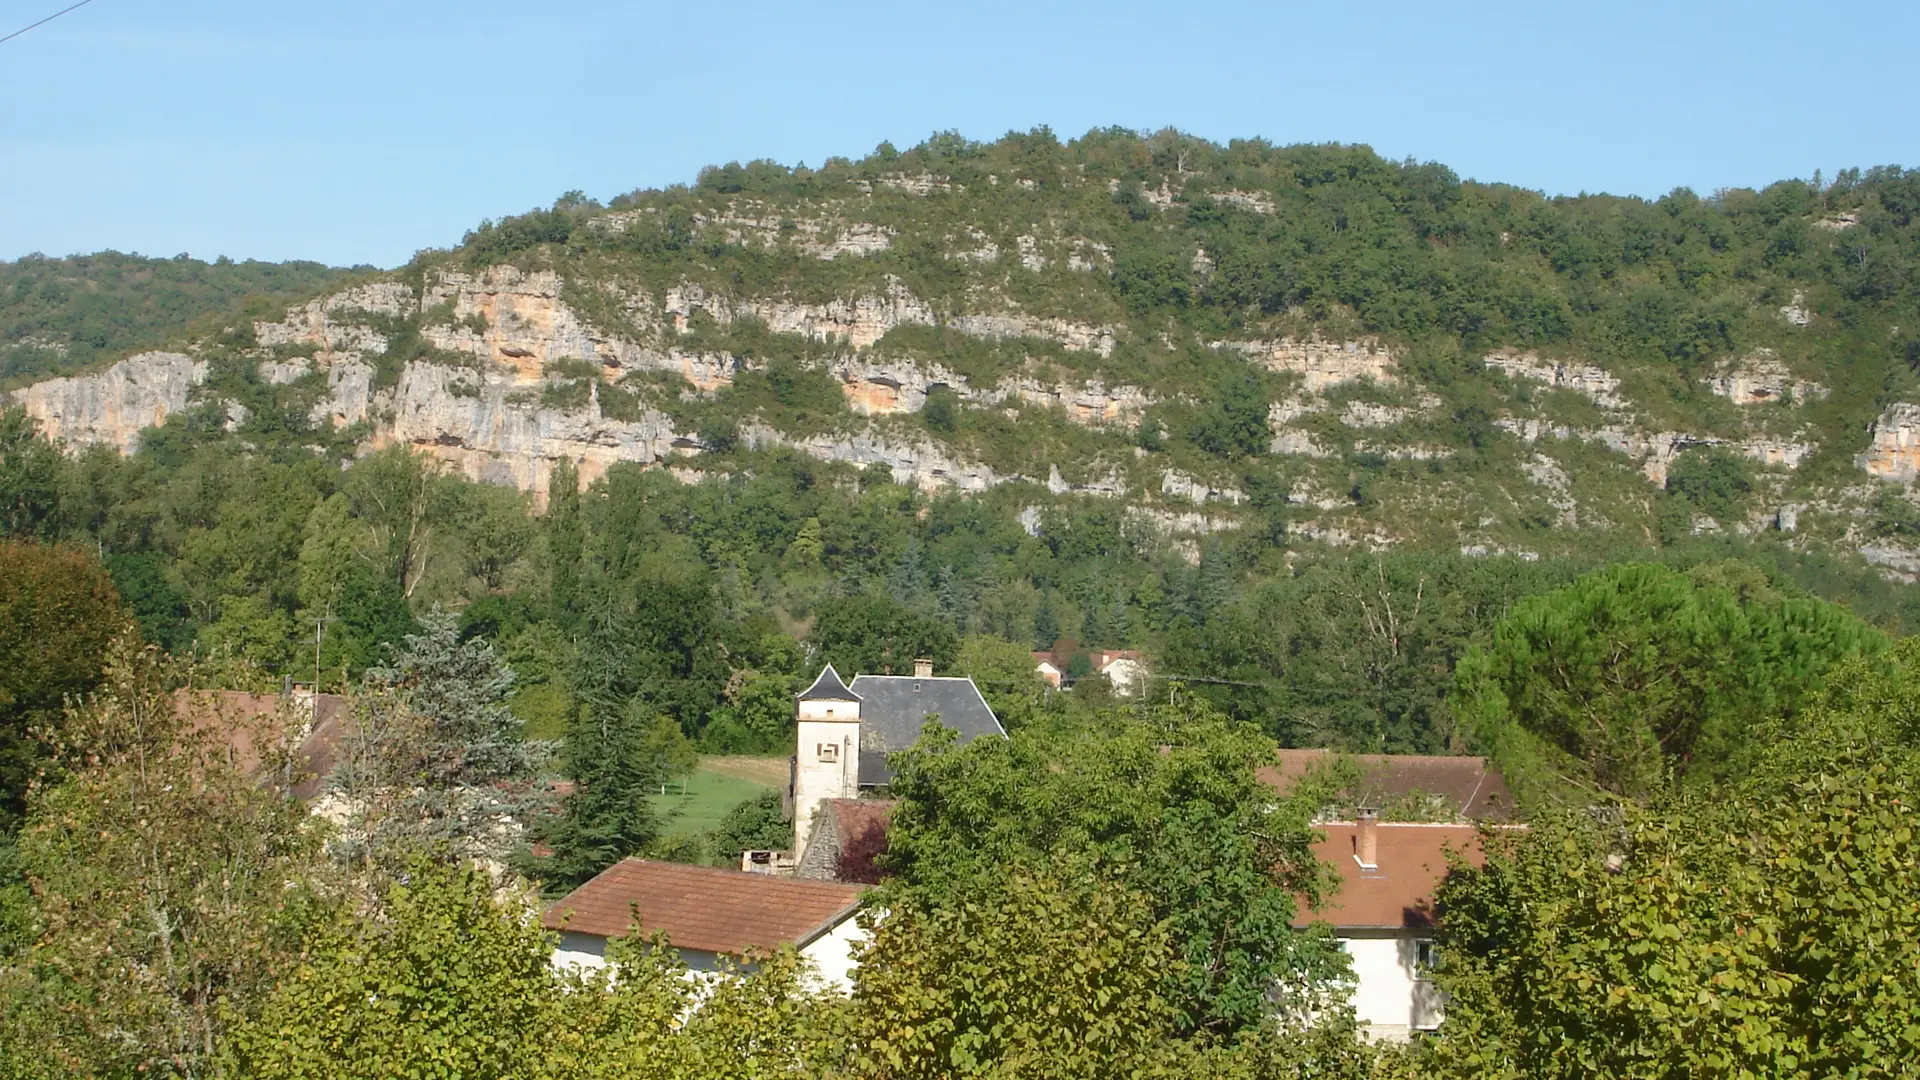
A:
[(826, 760)]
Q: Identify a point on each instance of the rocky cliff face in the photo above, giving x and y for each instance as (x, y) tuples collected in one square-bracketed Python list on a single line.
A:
[(113, 406), (499, 341), (1895, 453)]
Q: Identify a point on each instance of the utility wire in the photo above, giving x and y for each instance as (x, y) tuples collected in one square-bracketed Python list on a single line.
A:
[(45, 21)]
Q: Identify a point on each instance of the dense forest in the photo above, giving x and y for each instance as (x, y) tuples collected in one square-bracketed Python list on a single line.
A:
[(61, 316), (1709, 718)]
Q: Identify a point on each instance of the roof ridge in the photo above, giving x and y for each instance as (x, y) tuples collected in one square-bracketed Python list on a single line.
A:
[(828, 686)]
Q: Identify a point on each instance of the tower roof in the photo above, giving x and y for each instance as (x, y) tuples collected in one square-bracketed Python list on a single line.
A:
[(828, 687)]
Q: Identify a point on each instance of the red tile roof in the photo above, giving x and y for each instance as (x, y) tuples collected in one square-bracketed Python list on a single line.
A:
[(235, 718), (721, 911), (1410, 862), (1471, 786)]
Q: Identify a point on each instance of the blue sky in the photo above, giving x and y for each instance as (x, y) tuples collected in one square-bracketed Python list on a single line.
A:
[(357, 132)]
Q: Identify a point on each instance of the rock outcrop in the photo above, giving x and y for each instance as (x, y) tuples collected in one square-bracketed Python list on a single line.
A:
[(114, 406), (1895, 453)]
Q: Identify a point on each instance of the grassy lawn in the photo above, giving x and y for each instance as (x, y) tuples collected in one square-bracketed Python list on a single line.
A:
[(717, 786)]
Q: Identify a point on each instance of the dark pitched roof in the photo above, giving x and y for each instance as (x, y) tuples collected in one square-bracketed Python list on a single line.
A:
[(1410, 862), (828, 687), (1470, 786), (697, 907), (894, 707)]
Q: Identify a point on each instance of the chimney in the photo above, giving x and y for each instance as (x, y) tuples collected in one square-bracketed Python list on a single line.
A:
[(1366, 838), (923, 669)]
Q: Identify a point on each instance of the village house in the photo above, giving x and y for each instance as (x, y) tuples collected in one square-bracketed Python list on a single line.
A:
[(1389, 871), (709, 914), (1383, 914), (844, 732)]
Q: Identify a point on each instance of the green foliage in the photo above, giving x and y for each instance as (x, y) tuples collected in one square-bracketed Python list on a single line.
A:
[(1635, 676), (169, 888), (1166, 801), (1768, 930), (1035, 972), (29, 477), (58, 612), (878, 635), (1356, 654), (755, 825), (451, 982), (1710, 482), (60, 316)]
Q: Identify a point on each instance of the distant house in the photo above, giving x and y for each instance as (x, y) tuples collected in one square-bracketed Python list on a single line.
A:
[(1124, 669), (843, 733), (309, 726), (707, 914), (1383, 914), (1429, 787)]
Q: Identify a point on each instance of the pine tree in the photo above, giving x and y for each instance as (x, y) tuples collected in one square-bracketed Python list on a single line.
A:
[(434, 758), (612, 759)]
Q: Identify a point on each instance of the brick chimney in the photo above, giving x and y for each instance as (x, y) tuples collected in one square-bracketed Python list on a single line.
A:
[(923, 668), (1366, 838)]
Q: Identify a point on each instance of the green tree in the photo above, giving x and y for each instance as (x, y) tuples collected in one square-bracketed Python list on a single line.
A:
[(1636, 674), (879, 635), (757, 824), (58, 612), (433, 757), (1764, 929), (1035, 973), (1168, 800), (168, 886), (452, 980), (29, 477)]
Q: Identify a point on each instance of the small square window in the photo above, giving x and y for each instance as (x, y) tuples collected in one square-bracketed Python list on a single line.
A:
[(1424, 957), (828, 751)]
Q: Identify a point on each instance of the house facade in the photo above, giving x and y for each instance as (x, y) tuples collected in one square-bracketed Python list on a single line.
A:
[(1383, 914), (709, 915)]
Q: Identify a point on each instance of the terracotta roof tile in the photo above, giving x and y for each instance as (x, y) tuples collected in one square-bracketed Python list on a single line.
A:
[(1410, 862), (1471, 785), (697, 907)]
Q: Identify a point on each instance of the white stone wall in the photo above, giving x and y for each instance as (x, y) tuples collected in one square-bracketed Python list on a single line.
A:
[(822, 724), (1389, 997), (832, 955)]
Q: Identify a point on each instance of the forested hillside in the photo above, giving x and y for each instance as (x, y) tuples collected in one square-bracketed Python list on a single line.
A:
[(1357, 455), (59, 316)]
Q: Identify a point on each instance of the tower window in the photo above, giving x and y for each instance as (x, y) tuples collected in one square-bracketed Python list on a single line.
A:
[(828, 751)]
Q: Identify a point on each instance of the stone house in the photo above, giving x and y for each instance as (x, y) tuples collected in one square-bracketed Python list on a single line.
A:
[(844, 732)]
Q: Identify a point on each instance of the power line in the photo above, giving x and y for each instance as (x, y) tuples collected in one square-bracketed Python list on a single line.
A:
[(43, 22)]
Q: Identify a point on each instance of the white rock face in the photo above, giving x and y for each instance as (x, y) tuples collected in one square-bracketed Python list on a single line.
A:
[(1761, 379), (113, 406), (1179, 485), (1586, 379), (1320, 364), (1895, 453)]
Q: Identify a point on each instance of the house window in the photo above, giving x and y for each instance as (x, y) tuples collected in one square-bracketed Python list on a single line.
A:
[(828, 751), (1424, 957)]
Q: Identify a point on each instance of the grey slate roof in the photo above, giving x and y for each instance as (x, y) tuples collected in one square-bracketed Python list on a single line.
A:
[(893, 708), (828, 687)]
